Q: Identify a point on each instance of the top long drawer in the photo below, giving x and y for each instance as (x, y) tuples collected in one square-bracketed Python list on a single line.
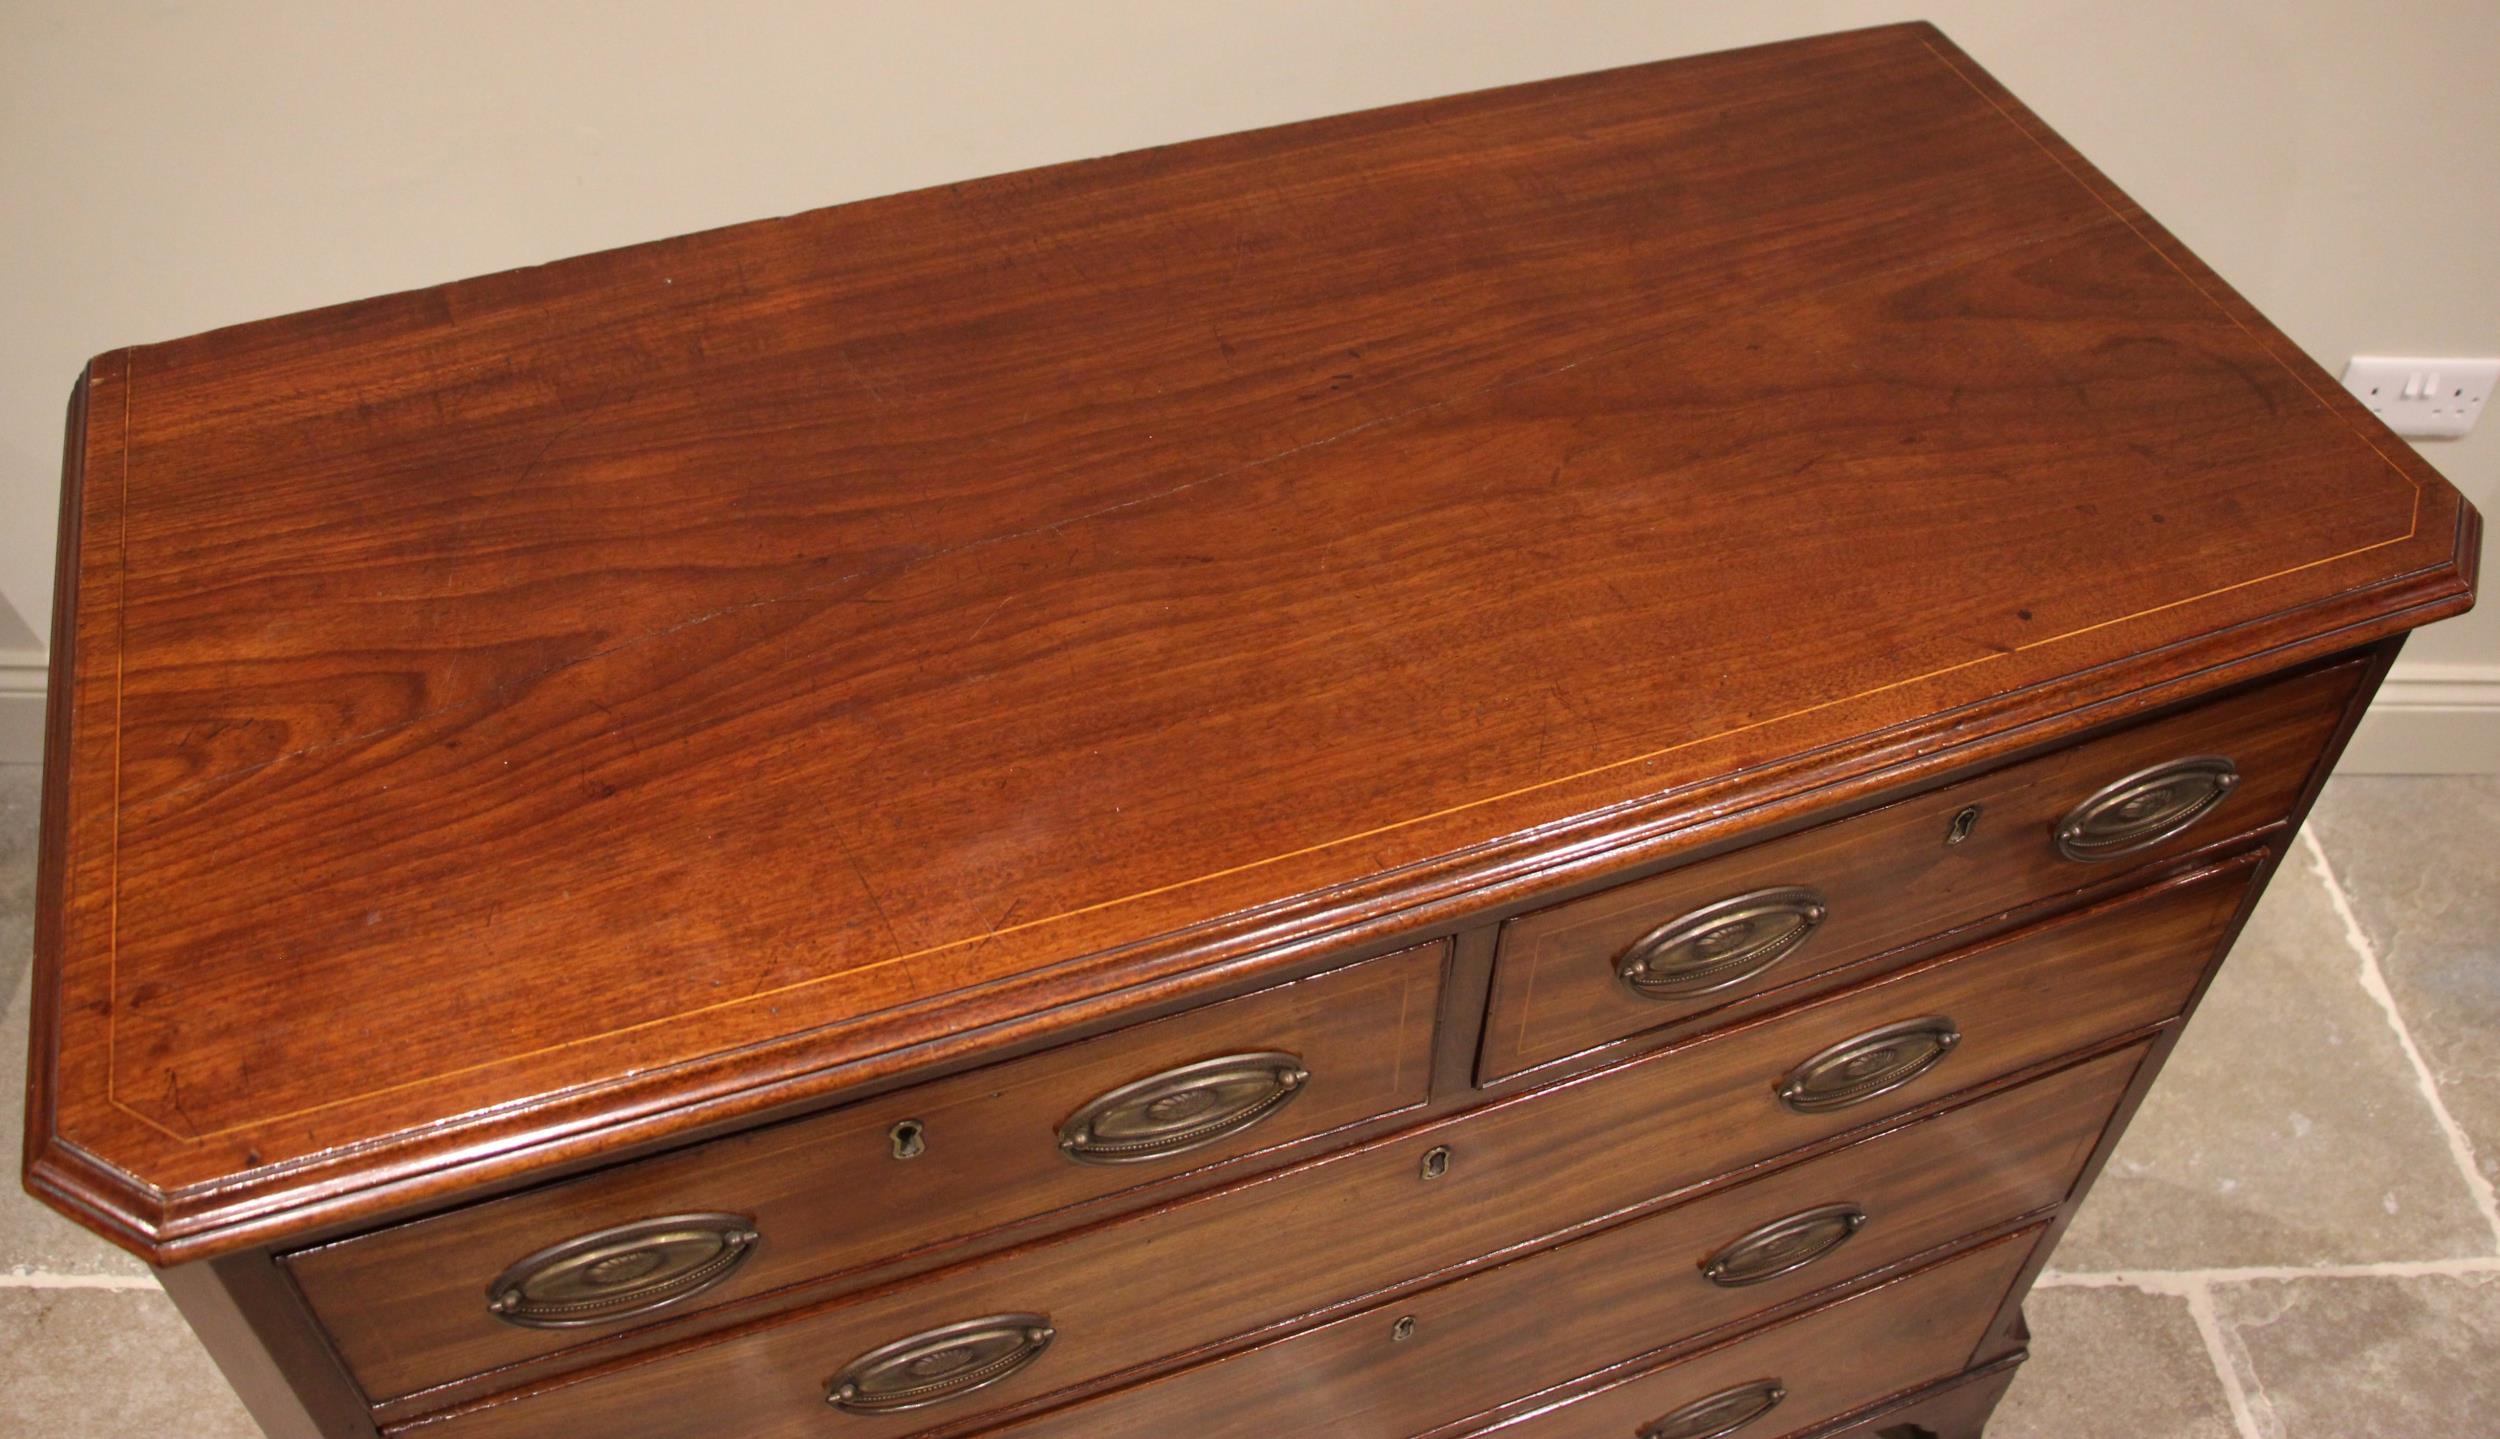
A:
[(1672, 946), (443, 1298)]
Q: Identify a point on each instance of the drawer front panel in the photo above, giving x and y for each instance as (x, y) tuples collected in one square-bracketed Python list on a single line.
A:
[(1634, 1288), (1819, 1366), (414, 1305), (1958, 1408), (1667, 948), (1273, 1249)]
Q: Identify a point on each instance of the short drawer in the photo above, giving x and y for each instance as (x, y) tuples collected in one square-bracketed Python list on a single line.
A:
[(1807, 1371), (458, 1294), (1140, 1290), (1461, 1348), (1675, 945)]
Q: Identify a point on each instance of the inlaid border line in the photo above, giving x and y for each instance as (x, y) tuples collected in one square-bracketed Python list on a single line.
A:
[(112, 1070)]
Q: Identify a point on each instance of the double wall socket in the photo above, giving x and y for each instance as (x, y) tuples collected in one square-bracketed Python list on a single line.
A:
[(2422, 398)]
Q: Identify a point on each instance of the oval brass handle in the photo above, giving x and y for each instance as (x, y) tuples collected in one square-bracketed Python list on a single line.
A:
[(621, 1272), (1722, 1413), (2145, 808), (1182, 1109), (1876, 1062), (1783, 1246), (1721, 944), (939, 1364)]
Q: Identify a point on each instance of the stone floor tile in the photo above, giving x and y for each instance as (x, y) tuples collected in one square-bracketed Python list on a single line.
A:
[(2289, 1128), (19, 784), (2336, 1358), (2420, 860), (2113, 1364), (108, 1364), (34, 1239)]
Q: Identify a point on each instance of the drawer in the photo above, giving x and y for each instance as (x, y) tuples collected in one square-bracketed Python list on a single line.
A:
[(1810, 1370), (1273, 1249), (1699, 937), (1958, 1408), (1637, 1287), (410, 1306)]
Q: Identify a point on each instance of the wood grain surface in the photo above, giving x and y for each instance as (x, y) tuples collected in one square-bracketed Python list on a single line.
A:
[(406, 1307), (1833, 1361), (1331, 1232), (1633, 1289), (1957, 1409), (1888, 875), (505, 722)]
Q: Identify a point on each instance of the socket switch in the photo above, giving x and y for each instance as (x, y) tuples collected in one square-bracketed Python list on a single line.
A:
[(2423, 398)]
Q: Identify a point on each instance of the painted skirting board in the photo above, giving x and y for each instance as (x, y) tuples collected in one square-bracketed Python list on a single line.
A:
[(21, 706), (2430, 718), (2436, 717)]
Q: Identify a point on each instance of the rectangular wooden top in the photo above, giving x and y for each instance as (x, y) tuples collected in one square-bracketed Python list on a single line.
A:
[(505, 721)]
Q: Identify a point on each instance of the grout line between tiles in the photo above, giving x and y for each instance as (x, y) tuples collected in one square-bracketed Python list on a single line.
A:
[(2176, 1281), (2200, 1303), (2196, 1287), (2374, 982), (36, 1280)]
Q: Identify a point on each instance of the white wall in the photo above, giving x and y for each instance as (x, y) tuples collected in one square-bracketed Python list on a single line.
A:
[(171, 167)]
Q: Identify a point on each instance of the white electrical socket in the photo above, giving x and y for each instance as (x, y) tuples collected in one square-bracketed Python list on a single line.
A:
[(2422, 398)]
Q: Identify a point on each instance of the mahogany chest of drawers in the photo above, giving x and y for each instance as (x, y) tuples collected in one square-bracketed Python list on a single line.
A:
[(1551, 763)]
